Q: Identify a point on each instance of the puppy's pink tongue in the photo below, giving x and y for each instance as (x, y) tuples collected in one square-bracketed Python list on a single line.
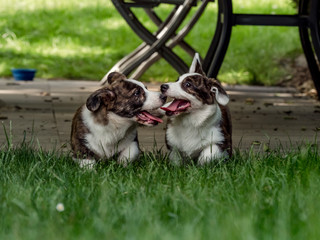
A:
[(145, 116), (177, 104)]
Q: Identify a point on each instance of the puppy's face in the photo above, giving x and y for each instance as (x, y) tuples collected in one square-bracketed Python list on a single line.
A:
[(127, 98), (193, 90)]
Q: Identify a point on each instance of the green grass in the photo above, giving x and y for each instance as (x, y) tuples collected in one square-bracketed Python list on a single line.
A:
[(274, 195), (83, 40)]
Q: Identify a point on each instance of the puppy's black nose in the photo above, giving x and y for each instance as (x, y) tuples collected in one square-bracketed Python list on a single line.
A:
[(164, 88), (163, 98)]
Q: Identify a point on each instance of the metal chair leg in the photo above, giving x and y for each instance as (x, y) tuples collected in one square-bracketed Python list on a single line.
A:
[(185, 46), (309, 49), (162, 37), (120, 66), (213, 45), (314, 25), (176, 40), (220, 43), (151, 40)]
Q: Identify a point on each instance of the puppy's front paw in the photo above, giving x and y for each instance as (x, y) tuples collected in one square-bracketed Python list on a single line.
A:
[(85, 163), (175, 158), (210, 154), (130, 154)]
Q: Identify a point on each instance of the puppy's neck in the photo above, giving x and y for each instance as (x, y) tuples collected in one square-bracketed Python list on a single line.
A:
[(108, 120), (119, 122), (208, 115)]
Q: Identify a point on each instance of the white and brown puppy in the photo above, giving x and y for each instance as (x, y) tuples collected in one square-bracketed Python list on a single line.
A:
[(106, 126), (199, 124)]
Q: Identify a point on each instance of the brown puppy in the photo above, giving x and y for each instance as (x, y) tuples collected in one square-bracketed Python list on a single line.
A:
[(106, 126), (199, 123)]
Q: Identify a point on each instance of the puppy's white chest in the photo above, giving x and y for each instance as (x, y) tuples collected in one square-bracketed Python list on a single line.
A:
[(190, 135), (186, 140), (107, 143), (191, 140), (107, 140)]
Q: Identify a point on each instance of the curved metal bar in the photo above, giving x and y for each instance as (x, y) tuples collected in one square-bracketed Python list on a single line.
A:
[(120, 66), (177, 2), (308, 21), (150, 39), (314, 26), (186, 29), (161, 26), (216, 41), (162, 37), (184, 45), (213, 45), (156, 19), (177, 40), (307, 46), (219, 48)]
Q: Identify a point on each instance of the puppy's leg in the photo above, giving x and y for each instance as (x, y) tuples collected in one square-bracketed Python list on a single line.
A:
[(175, 157), (129, 154), (210, 154), (85, 163)]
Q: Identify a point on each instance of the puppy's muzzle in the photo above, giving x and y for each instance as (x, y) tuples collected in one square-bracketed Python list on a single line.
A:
[(164, 88), (163, 98)]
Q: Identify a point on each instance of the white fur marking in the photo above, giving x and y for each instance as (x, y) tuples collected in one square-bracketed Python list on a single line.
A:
[(196, 130), (209, 154), (196, 59), (152, 101), (85, 163), (107, 140), (182, 77), (129, 154), (175, 91), (136, 82)]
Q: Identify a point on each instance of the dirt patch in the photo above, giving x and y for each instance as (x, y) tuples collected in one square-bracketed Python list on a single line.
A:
[(299, 76)]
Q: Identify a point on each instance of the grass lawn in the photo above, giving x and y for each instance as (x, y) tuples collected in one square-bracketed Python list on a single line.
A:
[(84, 39), (275, 195)]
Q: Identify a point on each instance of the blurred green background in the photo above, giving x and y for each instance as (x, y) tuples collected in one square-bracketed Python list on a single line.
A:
[(84, 39)]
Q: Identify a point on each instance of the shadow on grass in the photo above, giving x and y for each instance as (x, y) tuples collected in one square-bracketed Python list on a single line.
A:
[(85, 42), (64, 43)]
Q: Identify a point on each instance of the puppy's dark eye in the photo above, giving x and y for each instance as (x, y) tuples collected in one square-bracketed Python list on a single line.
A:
[(137, 92), (187, 84)]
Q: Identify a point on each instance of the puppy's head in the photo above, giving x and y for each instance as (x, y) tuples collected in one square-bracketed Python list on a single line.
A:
[(193, 90), (127, 98)]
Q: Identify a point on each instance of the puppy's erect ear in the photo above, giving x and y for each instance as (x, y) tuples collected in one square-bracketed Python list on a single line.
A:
[(220, 94), (196, 66), (102, 96), (115, 76)]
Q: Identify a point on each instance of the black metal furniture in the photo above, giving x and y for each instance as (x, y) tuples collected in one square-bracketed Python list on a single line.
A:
[(161, 43)]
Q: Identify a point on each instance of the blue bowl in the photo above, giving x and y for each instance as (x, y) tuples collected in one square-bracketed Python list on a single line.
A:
[(20, 74)]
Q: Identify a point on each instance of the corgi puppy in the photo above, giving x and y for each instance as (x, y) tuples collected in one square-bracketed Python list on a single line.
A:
[(199, 124), (106, 126)]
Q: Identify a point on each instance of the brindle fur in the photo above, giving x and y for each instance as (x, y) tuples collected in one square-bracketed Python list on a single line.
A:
[(226, 129), (121, 97), (200, 86), (78, 141), (113, 98), (130, 98), (201, 89)]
